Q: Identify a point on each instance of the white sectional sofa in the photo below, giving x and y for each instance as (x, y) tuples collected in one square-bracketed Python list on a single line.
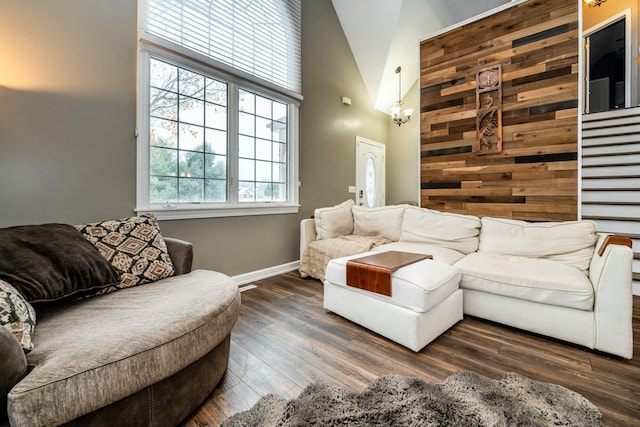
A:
[(552, 278)]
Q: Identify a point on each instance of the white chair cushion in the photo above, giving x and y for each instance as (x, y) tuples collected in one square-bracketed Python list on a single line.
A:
[(419, 286), (449, 230), (529, 279), (570, 242), (334, 221), (385, 221), (445, 255)]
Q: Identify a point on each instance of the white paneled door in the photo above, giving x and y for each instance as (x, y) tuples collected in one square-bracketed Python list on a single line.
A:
[(370, 176)]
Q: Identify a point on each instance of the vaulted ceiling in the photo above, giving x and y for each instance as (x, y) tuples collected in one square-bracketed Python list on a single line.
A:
[(385, 34)]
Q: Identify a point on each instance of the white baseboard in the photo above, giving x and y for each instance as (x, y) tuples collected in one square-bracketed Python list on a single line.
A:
[(252, 276)]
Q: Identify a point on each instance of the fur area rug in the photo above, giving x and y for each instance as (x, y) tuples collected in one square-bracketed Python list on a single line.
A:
[(464, 399)]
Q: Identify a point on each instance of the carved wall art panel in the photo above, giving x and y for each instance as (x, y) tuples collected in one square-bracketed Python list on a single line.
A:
[(489, 110)]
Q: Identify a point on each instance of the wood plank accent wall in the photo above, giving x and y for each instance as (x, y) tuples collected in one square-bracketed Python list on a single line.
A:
[(535, 177)]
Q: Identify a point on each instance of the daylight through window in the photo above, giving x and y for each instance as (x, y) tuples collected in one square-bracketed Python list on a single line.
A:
[(216, 140), (187, 136)]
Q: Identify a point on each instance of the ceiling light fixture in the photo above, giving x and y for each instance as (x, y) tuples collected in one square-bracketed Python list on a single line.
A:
[(398, 114), (594, 3)]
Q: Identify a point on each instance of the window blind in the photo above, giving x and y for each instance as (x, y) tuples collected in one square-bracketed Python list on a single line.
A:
[(259, 37)]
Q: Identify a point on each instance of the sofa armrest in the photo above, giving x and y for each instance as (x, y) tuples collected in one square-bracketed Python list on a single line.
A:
[(13, 366), (307, 233), (612, 239), (611, 276), (181, 253)]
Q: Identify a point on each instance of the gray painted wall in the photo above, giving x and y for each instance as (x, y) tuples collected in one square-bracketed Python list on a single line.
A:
[(67, 121), (403, 154), (329, 128), (67, 110)]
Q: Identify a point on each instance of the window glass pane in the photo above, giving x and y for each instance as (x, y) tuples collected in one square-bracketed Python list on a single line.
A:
[(163, 75), (191, 137), (190, 190), (280, 112), (278, 192), (216, 92), (246, 191), (267, 192), (215, 166), (279, 152), (247, 124), (279, 132), (370, 183), (263, 128), (191, 111), (163, 190), (263, 171), (263, 149), (263, 107), (215, 190), (279, 172), (163, 133), (263, 192), (247, 102), (191, 164), (215, 141), (246, 169), (191, 84), (164, 162), (246, 147), (216, 116), (163, 104)]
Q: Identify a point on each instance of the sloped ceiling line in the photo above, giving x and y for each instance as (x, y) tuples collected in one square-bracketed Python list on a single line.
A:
[(385, 34)]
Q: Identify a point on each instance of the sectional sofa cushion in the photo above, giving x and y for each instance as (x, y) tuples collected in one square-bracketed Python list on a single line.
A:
[(134, 246), (334, 221), (439, 253), (385, 221), (530, 279), (419, 286), (52, 262), (124, 342), (17, 315), (449, 230), (318, 253), (570, 242)]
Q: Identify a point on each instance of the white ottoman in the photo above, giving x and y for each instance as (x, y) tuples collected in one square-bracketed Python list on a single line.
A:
[(425, 301)]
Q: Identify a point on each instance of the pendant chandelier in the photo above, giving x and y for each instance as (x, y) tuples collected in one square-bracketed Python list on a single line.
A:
[(398, 114)]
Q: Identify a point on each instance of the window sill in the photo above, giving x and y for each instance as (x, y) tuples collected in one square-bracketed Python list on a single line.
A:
[(192, 212)]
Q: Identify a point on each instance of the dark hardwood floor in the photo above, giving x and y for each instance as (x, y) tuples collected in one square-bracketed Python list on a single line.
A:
[(284, 340)]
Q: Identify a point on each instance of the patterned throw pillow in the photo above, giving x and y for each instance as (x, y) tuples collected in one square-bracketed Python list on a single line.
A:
[(17, 315), (134, 246)]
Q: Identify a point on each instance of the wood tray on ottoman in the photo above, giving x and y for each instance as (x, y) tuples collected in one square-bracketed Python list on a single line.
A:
[(425, 301), (373, 272)]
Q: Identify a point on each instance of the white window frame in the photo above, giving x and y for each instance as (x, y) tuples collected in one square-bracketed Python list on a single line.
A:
[(150, 45)]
